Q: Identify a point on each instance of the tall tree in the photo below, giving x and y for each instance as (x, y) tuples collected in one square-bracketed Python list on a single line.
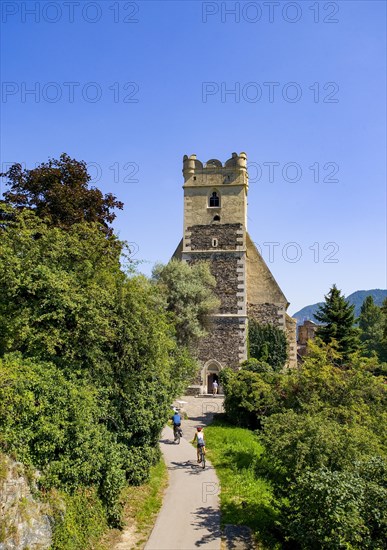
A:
[(189, 295), (338, 318), (58, 190), (371, 326), (383, 344)]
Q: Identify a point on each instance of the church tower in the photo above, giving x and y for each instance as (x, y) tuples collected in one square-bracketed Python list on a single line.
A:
[(215, 230)]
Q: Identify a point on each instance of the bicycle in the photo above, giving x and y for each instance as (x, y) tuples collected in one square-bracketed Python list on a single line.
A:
[(202, 456), (178, 434)]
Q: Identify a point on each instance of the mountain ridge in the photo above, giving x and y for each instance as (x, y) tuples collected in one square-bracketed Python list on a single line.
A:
[(356, 298)]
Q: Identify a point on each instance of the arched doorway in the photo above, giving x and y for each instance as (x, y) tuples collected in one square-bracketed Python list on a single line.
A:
[(211, 374)]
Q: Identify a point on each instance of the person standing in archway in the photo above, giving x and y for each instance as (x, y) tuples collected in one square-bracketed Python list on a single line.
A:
[(215, 386)]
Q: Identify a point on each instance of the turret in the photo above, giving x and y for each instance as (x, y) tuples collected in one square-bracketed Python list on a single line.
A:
[(196, 173)]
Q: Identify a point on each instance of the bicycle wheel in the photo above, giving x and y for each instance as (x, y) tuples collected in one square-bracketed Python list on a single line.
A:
[(203, 457)]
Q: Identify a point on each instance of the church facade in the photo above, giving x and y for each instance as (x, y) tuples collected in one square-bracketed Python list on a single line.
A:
[(215, 230)]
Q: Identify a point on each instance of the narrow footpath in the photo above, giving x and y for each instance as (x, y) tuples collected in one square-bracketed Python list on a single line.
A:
[(189, 517)]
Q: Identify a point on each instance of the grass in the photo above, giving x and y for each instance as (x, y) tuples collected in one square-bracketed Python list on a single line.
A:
[(246, 495), (142, 504)]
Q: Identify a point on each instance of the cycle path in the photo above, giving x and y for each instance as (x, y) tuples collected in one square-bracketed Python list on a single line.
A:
[(189, 517)]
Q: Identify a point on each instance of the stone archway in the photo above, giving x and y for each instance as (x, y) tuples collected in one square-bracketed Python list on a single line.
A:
[(211, 372)]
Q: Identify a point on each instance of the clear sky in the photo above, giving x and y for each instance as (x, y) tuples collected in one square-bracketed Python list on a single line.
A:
[(130, 87)]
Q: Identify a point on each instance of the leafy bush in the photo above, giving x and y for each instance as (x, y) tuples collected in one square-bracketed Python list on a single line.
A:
[(80, 519), (248, 397), (311, 440), (57, 425), (340, 509)]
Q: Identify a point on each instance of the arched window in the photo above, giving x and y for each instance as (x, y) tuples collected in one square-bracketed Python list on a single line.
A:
[(216, 218), (214, 200)]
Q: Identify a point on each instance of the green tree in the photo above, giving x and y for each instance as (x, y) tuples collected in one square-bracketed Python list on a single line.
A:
[(371, 326), (383, 344), (58, 292), (189, 296), (267, 343), (58, 190), (338, 320)]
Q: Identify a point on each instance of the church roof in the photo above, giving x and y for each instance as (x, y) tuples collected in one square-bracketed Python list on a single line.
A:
[(261, 285)]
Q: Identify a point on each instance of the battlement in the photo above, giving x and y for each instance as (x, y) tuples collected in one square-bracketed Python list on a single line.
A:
[(236, 164)]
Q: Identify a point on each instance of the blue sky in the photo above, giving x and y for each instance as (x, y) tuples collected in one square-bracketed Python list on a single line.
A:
[(130, 87)]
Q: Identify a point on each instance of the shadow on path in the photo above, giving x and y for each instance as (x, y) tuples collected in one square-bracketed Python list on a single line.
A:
[(206, 518)]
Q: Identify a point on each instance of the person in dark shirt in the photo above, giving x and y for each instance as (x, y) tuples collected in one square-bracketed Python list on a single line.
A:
[(176, 421)]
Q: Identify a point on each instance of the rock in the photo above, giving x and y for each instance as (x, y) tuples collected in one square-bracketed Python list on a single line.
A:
[(24, 521)]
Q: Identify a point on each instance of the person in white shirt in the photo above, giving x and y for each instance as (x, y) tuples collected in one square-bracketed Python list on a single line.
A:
[(199, 438)]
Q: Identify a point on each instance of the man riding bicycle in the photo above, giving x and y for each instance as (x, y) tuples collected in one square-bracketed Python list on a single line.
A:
[(176, 421)]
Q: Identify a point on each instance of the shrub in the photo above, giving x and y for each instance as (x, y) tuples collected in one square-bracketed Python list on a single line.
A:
[(57, 425), (340, 509)]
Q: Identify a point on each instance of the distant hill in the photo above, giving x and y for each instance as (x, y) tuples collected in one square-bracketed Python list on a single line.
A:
[(357, 298)]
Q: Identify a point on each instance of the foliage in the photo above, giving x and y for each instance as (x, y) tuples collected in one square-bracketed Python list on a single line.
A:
[(383, 343), (89, 358), (340, 509), (311, 440), (323, 431), (188, 291), (83, 522), (253, 365), (58, 191), (58, 426), (267, 343), (248, 397), (384, 311), (57, 292), (338, 318), (371, 327)]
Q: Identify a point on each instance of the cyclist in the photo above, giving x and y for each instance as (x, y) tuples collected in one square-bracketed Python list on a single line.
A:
[(199, 438), (176, 421)]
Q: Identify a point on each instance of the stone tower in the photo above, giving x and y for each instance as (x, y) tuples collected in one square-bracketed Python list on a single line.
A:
[(215, 230)]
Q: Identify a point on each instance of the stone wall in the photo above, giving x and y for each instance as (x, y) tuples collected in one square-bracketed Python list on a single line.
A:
[(225, 343), (25, 522), (224, 267), (291, 326), (267, 314), (228, 236)]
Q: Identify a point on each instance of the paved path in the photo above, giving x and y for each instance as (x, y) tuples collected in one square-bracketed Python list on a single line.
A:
[(190, 516)]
